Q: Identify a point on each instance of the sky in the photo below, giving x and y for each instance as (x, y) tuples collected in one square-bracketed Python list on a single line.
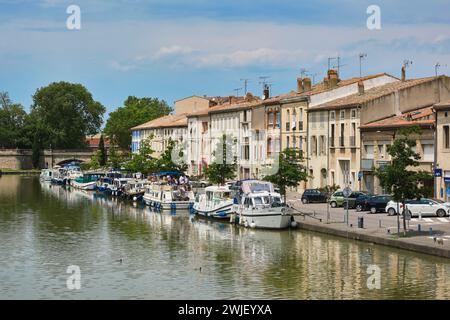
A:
[(170, 49)]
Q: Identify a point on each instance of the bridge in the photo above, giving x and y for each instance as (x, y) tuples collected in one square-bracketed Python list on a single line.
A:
[(20, 159)]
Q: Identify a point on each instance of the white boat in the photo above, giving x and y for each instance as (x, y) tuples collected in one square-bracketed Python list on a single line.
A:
[(163, 196), (59, 175), (261, 207), (216, 202), (87, 181), (118, 186), (46, 175), (135, 189)]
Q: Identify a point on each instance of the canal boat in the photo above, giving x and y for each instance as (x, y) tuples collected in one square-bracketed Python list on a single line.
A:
[(59, 175), (73, 172), (88, 181), (261, 207), (173, 197), (135, 189), (118, 186), (217, 202), (46, 175)]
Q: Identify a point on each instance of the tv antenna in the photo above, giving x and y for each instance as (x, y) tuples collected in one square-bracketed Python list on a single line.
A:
[(437, 66), (263, 81), (237, 91), (313, 77), (338, 65), (407, 63), (246, 81), (303, 72), (361, 57)]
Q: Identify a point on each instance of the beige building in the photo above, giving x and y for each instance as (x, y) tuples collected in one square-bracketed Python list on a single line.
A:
[(346, 155), (442, 113)]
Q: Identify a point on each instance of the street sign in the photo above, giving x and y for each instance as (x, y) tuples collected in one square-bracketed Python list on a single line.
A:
[(360, 176), (347, 192), (446, 179), (438, 172)]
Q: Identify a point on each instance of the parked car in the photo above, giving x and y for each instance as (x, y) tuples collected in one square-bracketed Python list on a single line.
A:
[(423, 207), (362, 202), (378, 203), (354, 196), (313, 195), (200, 184), (337, 199)]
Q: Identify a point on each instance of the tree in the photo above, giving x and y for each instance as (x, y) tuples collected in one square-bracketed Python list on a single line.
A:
[(166, 162), (142, 161), (224, 166), (290, 170), (13, 121), (102, 151), (396, 178), (64, 113), (135, 111)]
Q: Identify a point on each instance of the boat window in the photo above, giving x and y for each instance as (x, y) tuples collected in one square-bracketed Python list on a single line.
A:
[(266, 200), (209, 195), (258, 201), (247, 202)]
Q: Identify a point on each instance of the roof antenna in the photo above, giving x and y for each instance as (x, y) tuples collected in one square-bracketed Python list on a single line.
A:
[(237, 91), (437, 66), (246, 81), (361, 57)]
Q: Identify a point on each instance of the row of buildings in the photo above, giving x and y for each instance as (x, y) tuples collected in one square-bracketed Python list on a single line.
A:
[(342, 126)]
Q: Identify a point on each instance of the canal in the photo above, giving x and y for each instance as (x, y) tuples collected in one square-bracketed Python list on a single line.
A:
[(129, 252)]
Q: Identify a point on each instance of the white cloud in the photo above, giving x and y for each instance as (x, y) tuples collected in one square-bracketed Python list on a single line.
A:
[(121, 67)]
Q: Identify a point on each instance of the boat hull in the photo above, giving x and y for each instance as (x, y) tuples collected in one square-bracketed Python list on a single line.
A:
[(215, 213), (173, 205), (266, 220), (90, 186)]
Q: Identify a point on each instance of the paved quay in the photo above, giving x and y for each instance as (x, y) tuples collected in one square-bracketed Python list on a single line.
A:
[(434, 237)]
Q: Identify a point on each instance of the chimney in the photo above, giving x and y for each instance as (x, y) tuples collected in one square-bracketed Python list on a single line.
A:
[(266, 92), (306, 84), (299, 85), (360, 87), (333, 78), (403, 73), (326, 82)]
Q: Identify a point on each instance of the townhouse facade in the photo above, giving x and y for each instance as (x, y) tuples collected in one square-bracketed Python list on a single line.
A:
[(442, 136)]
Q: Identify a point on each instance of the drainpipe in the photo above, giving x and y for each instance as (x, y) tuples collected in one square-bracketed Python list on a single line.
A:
[(436, 194)]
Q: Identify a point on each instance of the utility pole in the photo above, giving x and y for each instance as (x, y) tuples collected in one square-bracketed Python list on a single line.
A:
[(361, 57), (246, 81)]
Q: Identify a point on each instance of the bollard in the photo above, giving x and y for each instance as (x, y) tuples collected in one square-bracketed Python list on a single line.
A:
[(361, 222), (379, 224), (388, 230), (419, 227), (431, 231)]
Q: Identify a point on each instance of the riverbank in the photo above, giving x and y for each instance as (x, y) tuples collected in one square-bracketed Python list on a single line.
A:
[(433, 237), (18, 172)]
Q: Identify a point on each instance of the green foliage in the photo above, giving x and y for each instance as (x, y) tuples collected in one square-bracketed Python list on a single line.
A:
[(135, 111), (64, 113), (142, 161), (329, 190), (102, 151), (13, 124), (224, 166), (290, 170), (165, 161), (95, 161), (36, 153), (396, 177)]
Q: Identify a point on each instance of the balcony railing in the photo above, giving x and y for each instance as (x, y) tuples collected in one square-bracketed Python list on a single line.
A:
[(341, 141), (367, 164)]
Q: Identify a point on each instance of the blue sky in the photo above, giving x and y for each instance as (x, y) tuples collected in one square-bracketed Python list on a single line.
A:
[(173, 48)]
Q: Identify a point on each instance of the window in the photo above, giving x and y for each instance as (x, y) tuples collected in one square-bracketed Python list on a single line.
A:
[(278, 120), (245, 115), (288, 142), (369, 151), (269, 146), (446, 137), (353, 113), (322, 145), (271, 119), (342, 116), (295, 142), (332, 115), (288, 120), (428, 152), (381, 151), (294, 120), (314, 145)]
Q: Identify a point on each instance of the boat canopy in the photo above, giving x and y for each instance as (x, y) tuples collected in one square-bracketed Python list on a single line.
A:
[(255, 186), (167, 173)]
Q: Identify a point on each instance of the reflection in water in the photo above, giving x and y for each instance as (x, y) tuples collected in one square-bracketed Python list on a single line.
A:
[(127, 251)]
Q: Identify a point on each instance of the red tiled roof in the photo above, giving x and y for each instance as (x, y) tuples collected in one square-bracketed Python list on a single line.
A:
[(171, 120), (94, 140), (422, 116), (372, 94)]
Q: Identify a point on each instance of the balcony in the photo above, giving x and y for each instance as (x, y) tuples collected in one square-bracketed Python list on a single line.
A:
[(341, 142), (367, 164)]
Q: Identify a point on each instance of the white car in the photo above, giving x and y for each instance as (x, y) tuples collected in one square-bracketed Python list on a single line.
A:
[(422, 207)]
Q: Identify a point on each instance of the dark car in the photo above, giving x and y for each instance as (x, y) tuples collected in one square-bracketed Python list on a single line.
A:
[(378, 203), (313, 195), (361, 203), (353, 198)]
